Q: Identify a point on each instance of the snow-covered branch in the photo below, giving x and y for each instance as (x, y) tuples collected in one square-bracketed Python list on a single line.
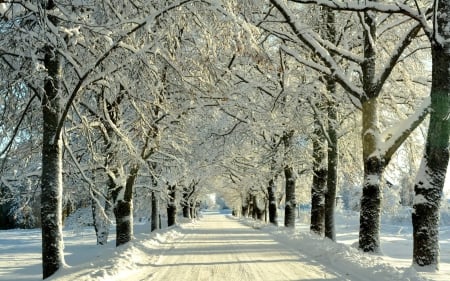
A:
[(304, 35), (395, 136), (378, 6), (396, 54)]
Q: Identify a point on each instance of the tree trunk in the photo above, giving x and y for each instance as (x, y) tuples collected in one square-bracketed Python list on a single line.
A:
[(192, 209), (244, 210), (318, 202), (333, 160), (291, 201), (51, 178), (171, 206), (430, 181), (185, 203), (123, 209), (259, 212), (319, 182), (330, 194), (101, 219), (186, 211), (273, 215), (374, 163), (155, 211), (254, 207), (370, 215), (124, 226), (290, 178)]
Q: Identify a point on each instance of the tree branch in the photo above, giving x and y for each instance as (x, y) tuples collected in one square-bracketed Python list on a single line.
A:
[(393, 138)]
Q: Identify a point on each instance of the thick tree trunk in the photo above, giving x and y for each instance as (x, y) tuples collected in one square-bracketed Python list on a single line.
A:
[(124, 222), (51, 204), (123, 209), (171, 206), (370, 215), (374, 163), (273, 215), (51, 179), (291, 201), (430, 181), (155, 211), (186, 211)]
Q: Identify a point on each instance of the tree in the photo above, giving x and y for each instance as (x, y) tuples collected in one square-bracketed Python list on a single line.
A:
[(51, 179), (319, 182), (332, 134), (53, 50), (431, 177), (378, 147)]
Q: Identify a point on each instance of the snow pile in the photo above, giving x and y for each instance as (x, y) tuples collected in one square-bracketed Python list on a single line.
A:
[(122, 263), (348, 260)]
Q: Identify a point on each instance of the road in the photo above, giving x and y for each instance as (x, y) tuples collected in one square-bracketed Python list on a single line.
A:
[(220, 248)]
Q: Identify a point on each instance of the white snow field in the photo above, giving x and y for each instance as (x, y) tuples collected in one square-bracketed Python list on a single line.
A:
[(219, 247)]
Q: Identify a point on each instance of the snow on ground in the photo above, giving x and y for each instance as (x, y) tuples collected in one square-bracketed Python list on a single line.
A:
[(200, 250)]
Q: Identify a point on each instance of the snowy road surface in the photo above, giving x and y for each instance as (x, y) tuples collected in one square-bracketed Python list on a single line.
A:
[(219, 248), (214, 248)]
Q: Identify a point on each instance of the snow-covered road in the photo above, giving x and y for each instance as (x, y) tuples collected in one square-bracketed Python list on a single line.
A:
[(219, 248)]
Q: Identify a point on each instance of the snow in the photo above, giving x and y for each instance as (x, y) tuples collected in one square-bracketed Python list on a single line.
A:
[(220, 247)]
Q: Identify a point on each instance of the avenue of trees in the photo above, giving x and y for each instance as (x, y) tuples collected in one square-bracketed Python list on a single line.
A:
[(145, 107)]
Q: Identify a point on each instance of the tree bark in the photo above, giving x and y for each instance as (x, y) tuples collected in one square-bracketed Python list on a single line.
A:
[(273, 215), (171, 206), (332, 141), (318, 202), (101, 219), (155, 211), (291, 201), (430, 181), (185, 202), (370, 215), (192, 209), (186, 211), (123, 209), (374, 164), (51, 178), (290, 178), (124, 226), (333, 160), (319, 181)]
